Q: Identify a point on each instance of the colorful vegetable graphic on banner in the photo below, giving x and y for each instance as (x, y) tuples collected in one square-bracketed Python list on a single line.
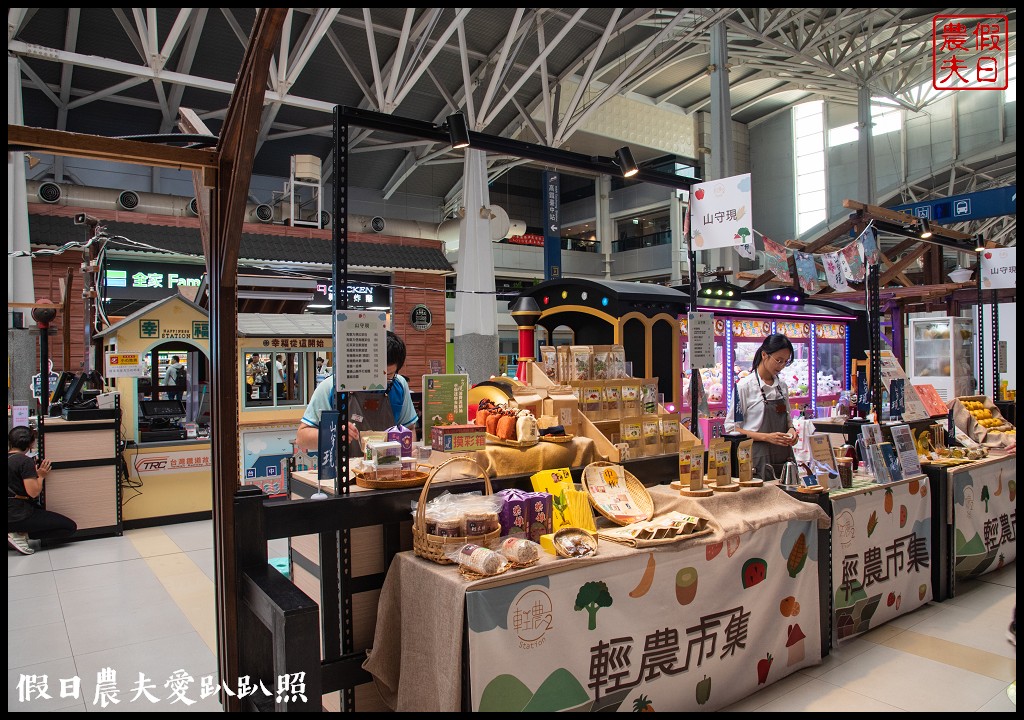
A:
[(592, 597), (853, 265), (720, 213), (807, 271), (834, 271), (775, 260)]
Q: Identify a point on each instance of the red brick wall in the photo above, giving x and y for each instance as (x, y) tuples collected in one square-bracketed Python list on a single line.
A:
[(47, 273), (421, 347)]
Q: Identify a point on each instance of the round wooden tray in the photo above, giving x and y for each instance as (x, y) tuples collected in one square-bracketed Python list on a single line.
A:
[(557, 438), (509, 443), (410, 478)]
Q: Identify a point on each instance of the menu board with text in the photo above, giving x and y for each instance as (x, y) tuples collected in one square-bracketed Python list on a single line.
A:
[(701, 330), (361, 351)]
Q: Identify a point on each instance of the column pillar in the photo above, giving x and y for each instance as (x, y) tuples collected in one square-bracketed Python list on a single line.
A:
[(476, 309)]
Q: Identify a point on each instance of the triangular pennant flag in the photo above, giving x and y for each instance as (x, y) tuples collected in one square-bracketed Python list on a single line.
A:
[(834, 271), (853, 265), (807, 271), (746, 251), (870, 245), (775, 261)]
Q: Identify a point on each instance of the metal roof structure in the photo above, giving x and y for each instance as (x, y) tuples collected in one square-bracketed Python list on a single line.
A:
[(128, 71)]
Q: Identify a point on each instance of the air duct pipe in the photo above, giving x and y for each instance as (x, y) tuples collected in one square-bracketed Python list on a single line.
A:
[(67, 194)]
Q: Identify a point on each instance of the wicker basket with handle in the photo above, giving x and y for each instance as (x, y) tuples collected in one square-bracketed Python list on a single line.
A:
[(433, 547)]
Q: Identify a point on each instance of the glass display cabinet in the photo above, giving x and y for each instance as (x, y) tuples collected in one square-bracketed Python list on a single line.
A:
[(942, 354)]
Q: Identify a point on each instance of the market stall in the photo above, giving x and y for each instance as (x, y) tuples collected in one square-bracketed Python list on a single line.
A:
[(706, 621), (882, 552), (976, 511), (166, 426), (278, 353)]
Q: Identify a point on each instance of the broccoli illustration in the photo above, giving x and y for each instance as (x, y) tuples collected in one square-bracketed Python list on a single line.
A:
[(592, 597)]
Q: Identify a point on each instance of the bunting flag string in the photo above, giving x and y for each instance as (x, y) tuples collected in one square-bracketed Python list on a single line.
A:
[(807, 272), (853, 264), (840, 267), (834, 275), (775, 260)]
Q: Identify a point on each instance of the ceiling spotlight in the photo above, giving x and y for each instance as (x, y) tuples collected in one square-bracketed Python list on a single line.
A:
[(458, 131), (624, 159), (979, 243), (926, 229)]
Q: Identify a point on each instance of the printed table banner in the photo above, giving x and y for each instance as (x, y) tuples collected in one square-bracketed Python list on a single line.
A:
[(807, 272), (720, 213), (881, 553), (776, 260), (695, 627), (853, 264), (834, 274), (984, 517)]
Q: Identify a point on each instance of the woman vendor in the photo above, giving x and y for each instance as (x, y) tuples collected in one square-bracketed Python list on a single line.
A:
[(760, 408)]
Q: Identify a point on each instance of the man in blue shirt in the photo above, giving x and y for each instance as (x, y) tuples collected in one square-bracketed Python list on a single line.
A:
[(323, 398)]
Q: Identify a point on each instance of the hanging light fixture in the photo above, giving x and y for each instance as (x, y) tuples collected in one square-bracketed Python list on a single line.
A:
[(979, 243), (458, 131), (624, 159), (926, 229)]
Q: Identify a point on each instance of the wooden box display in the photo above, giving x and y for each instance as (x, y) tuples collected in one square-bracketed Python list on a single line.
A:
[(457, 438)]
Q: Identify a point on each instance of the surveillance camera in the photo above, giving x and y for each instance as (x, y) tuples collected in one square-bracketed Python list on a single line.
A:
[(85, 219)]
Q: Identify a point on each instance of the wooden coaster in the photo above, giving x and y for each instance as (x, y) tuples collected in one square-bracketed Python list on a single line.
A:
[(732, 487), (687, 492), (813, 490), (750, 483)]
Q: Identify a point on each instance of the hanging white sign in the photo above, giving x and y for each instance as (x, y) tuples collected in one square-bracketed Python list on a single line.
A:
[(999, 268), (720, 213)]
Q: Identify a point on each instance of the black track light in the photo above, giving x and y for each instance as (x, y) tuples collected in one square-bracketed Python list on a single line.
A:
[(624, 159), (458, 131)]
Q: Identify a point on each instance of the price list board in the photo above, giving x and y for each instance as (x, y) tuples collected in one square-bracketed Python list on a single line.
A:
[(361, 351)]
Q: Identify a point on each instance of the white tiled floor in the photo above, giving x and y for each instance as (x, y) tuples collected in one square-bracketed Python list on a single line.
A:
[(143, 603)]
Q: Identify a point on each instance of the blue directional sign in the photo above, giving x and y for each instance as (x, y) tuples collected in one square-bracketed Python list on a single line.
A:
[(971, 206)]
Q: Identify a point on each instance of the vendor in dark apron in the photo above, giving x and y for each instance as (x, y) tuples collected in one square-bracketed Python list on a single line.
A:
[(760, 408)]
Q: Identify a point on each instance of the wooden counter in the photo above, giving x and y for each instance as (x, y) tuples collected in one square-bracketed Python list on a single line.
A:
[(85, 482)]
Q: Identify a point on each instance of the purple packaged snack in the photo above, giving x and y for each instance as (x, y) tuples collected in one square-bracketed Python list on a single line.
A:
[(513, 514), (540, 506)]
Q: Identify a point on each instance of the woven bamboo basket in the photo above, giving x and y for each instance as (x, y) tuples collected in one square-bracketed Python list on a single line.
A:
[(637, 492), (433, 547)]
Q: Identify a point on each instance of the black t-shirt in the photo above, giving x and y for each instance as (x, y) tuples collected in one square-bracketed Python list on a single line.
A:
[(20, 467)]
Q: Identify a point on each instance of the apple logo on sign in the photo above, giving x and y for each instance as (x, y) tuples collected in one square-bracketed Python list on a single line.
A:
[(699, 193)]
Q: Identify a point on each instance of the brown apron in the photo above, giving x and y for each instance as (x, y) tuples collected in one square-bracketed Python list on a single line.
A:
[(766, 453)]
